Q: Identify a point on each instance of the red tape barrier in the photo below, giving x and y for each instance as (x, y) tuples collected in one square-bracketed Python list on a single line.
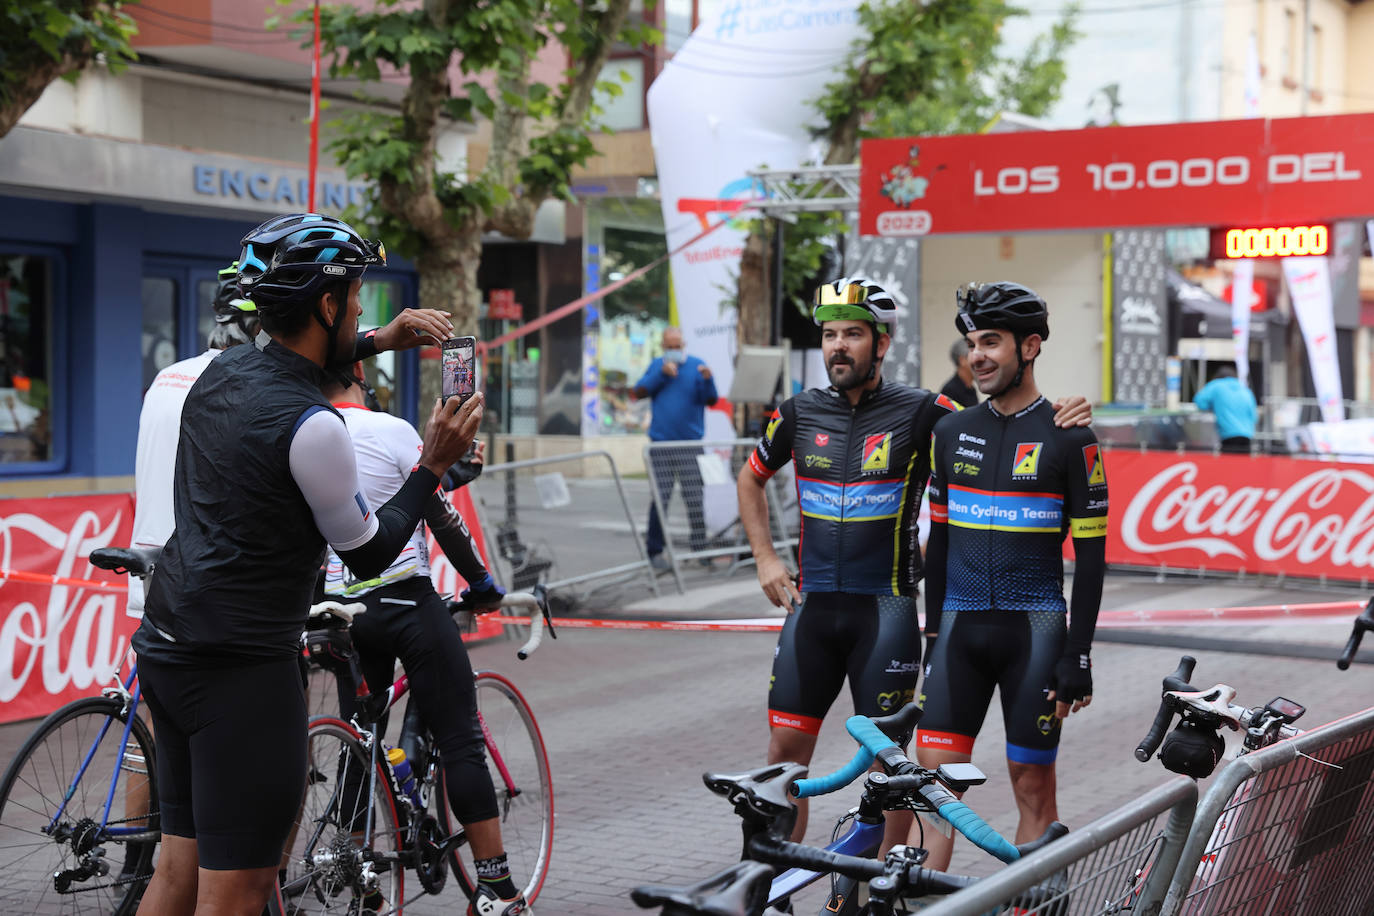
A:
[(1267, 614), (1333, 611)]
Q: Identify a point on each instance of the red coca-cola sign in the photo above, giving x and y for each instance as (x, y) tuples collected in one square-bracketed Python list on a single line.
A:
[(1236, 513), (59, 641)]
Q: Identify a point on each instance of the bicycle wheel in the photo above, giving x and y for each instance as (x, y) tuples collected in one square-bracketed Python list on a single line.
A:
[(525, 798), (59, 851), (329, 867)]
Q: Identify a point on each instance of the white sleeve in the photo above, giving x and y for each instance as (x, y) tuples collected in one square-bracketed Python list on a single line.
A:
[(325, 469), (406, 446)]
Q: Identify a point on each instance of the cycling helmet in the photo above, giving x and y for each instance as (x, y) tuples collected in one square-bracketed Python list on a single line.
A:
[(1002, 307), (288, 260), (229, 304), (855, 299)]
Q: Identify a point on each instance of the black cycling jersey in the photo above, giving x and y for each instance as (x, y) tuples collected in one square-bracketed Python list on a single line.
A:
[(861, 471), (1010, 488)]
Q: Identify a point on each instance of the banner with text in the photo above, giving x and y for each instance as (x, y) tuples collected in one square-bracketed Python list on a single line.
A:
[(1233, 173), (1309, 285), (1233, 513), (734, 98), (60, 642)]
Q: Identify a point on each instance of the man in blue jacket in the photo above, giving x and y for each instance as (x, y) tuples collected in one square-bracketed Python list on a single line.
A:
[(1233, 404), (681, 389)]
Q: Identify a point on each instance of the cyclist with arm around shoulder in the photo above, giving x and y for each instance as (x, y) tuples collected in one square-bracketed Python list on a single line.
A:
[(861, 449), (265, 477), (407, 620), (1006, 487)]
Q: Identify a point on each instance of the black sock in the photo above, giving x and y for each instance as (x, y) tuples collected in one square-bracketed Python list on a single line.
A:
[(495, 874)]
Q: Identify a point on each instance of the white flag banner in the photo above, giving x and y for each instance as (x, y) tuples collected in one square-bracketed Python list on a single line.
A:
[(1242, 294), (735, 97), (1309, 283)]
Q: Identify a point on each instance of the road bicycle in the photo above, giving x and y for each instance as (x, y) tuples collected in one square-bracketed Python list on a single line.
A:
[(79, 826), (764, 800), (367, 819)]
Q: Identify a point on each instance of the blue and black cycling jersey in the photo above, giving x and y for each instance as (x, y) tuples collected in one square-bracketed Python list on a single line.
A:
[(1010, 488), (861, 470)]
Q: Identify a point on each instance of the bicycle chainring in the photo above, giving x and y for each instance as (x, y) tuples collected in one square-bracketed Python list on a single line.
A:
[(431, 862)]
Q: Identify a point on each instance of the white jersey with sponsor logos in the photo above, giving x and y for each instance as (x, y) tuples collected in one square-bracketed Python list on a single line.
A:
[(387, 448), (159, 429)]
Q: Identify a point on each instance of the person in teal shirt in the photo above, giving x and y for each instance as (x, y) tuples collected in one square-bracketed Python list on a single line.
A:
[(1234, 406)]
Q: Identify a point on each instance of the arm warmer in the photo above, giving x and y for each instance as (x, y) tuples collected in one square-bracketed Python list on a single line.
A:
[(454, 538), (937, 553), (325, 468), (1090, 567), (365, 346)]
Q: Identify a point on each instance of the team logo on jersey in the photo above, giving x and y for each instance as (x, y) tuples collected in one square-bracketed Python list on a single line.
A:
[(1027, 460), (1092, 462), (772, 425), (877, 449), (948, 404), (822, 440)]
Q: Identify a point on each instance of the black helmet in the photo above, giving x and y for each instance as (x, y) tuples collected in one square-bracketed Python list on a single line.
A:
[(229, 304), (1002, 306), (288, 260)]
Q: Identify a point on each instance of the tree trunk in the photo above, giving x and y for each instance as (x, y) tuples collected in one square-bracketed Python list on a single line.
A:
[(756, 290), (23, 90), (448, 276)]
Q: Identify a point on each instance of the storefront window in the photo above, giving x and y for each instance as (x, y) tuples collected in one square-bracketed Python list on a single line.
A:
[(159, 326), (205, 311), (25, 358), (381, 301)]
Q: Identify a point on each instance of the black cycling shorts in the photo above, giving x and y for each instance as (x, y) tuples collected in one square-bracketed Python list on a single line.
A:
[(874, 640), (230, 756), (1014, 651)]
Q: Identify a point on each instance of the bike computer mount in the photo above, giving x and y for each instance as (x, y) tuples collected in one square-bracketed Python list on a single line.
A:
[(960, 776)]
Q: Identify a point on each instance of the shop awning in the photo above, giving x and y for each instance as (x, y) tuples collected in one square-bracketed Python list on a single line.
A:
[(1203, 315)]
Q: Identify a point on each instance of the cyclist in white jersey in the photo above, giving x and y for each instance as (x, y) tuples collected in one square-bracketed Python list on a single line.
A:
[(407, 620), (159, 422)]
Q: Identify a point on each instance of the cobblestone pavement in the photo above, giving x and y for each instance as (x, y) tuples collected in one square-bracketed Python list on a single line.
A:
[(632, 719)]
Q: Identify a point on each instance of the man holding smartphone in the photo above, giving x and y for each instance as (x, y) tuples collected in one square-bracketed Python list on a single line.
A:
[(265, 478), (681, 389)]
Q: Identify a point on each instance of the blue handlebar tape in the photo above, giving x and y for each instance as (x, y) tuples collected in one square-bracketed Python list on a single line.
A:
[(869, 735), (873, 740), (967, 822), (820, 785)]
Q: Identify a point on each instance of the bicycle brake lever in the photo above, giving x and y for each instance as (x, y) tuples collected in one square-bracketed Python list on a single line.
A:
[(541, 595), (1214, 701)]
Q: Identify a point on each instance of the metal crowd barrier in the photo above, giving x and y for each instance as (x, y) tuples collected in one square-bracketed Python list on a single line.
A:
[(1288, 829), (703, 522), (526, 507), (1120, 863)]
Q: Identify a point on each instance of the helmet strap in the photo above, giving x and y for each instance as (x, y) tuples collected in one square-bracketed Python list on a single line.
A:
[(1020, 369), (331, 359)]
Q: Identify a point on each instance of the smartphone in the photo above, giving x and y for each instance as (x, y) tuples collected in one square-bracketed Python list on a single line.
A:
[(459, 368)]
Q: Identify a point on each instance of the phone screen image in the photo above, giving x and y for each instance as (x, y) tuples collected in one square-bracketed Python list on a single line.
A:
[(459, 368)]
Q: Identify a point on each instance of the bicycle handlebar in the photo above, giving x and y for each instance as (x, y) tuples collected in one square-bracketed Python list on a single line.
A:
[(1363, 622), (1176, 681), (536, 602), (875, 744)]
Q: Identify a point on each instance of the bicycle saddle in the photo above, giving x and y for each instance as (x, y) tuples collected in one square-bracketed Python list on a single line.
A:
[(740, 890), (1215, 701), (765, 790), (138, 561)]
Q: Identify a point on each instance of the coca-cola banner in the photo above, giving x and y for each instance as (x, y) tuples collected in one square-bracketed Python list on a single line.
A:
[(1232, 513), (59, 641)]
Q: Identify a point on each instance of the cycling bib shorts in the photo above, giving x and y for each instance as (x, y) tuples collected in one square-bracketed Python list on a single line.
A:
[(1014, 651), (874, 640)]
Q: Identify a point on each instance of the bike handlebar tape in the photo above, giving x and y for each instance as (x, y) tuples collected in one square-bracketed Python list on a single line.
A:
[(862, 729), (978, 831), (831, 782), (1155, 735)]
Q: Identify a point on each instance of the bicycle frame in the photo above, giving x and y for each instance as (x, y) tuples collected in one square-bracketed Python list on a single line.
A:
[(132, 706), (862, 839)]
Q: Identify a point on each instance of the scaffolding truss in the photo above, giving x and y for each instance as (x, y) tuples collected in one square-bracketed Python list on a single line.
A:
[(813, 188)]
